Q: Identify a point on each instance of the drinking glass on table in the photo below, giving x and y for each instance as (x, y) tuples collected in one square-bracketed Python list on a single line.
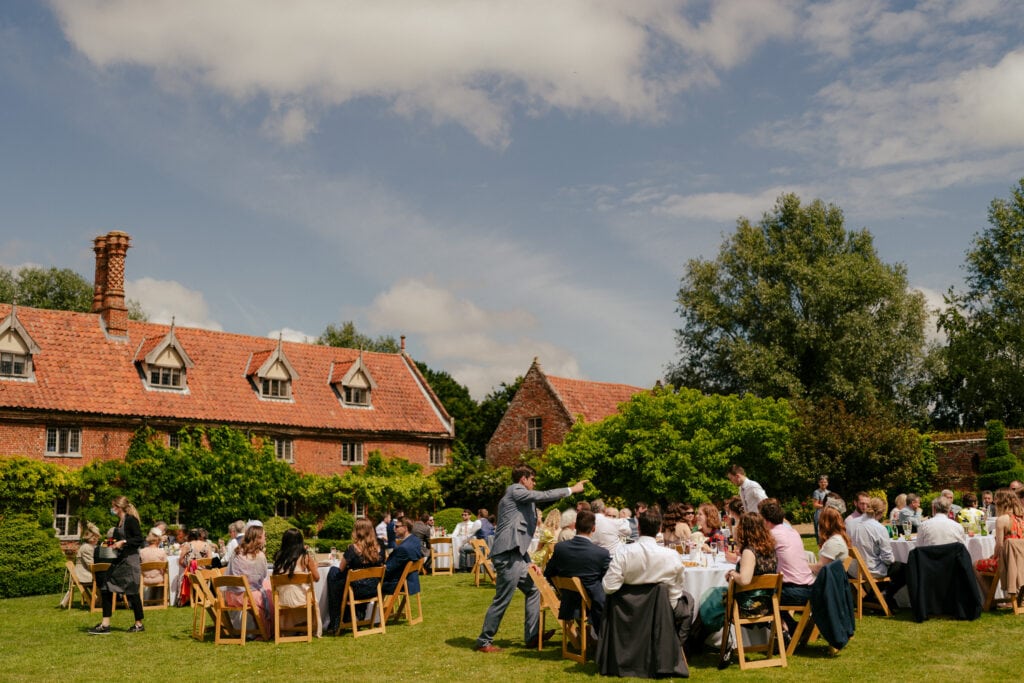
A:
[(714, 552), (907, 528)]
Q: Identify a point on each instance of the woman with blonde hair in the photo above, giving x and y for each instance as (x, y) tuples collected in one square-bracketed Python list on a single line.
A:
[(365, 551), (250, 561), (547, 532), (835, 543), (125, 573), (568, 529), (1009, 524), (84, 559), (152, 552), (894, 515)]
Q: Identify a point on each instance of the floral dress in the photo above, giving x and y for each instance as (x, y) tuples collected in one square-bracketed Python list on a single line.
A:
[(758, 602)]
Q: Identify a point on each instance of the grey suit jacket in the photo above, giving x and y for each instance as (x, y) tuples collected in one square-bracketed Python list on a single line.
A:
[(517, 517)]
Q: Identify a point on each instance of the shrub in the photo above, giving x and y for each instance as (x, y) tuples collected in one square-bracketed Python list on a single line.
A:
[(798, 511), (1000, 466), (448, 518), (338, 524), (31, 561), (274, 528)]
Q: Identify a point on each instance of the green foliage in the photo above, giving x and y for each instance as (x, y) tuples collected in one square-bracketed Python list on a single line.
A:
[(1000, 466), (31, 486), (31, 562), (797, 306), (56, 288), (389, 483), (338, 524), (984, 358), (274, 528), (460, 405), (468, 481), (448, 518), (798, 510), (857, 452), (346, 336), (674, 445)]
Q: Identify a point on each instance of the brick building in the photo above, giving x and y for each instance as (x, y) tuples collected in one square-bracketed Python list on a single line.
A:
[(74, 387), (546, 407)]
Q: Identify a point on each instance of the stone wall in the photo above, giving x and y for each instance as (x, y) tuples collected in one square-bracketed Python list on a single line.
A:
[(960, 456)]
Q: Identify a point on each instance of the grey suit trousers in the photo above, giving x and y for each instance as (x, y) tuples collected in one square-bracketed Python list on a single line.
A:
[(511, 568)]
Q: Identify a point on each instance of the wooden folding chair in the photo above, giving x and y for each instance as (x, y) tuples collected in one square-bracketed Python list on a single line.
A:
[(203, 601), (204, 562), (164, 586), (399, 602), (575, 631), (303, 630), (438, 552), (735, 620), (73, 584), (482, 563), (98, 569), (224, 632), (548, 600), (866, 591), (376, 602)]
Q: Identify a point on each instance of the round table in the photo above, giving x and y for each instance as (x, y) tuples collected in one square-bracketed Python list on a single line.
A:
[(697, 580), (979, 547)]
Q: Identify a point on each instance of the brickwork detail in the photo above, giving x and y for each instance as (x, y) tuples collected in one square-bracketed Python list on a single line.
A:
[(960, 456), (534, 399)]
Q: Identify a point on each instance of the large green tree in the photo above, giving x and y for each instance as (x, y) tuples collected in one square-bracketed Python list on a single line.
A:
[(984, 326), (671, 445), (55, 288), (797, 306), (347, 336)]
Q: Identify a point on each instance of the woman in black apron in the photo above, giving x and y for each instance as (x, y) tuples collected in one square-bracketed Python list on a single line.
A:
[(125, 571)]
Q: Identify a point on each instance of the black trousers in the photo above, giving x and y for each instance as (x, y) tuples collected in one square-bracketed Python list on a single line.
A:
[(134, 601)]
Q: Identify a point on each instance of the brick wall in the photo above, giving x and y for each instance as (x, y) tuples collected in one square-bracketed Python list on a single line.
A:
[(960, 456), (534, 399)]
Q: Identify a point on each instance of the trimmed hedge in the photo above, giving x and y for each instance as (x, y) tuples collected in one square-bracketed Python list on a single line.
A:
[(31, 561)]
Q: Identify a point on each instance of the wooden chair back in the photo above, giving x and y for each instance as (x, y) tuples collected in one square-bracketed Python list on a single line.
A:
[(305, 627), (203, 601), (204, 562), (400, 603), (866, 591), (164, 586), (442, 548), (365, 626), (224, 631), (734, 619), (548, 600), (482, 564), (575, 631), (84, 594)]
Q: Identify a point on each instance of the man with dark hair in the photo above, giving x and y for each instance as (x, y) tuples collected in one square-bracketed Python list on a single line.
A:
[(486, 530), (407, 549), (911, 513), (517, 520), (609, 532), (797, 577), (646, 562), (751, 492), (860, 502), (421, 529), (580, 557)]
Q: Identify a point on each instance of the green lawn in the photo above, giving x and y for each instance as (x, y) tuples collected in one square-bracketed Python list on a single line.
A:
[(43, 643)]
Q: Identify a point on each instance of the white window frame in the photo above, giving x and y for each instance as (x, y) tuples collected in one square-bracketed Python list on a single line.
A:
[(166, 377), (275, 388), (534, 433), (66, 523), (351, 453), (173, 440), (283, 448), (359, 509), (356, 396), (11, 361), (63, 441), (436, 453)]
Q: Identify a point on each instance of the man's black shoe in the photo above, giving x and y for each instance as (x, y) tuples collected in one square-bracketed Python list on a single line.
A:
[(725, 660), (547, 636)]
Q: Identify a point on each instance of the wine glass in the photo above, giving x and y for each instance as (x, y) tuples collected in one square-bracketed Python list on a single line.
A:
[(907, 528), (714, 551)]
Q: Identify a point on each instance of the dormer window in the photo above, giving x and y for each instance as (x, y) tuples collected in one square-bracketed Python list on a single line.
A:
[(16, 348), (163, 362), (356, 386), (272, 374)]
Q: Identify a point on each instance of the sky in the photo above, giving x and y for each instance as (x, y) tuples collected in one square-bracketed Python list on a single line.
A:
[(497, 180)]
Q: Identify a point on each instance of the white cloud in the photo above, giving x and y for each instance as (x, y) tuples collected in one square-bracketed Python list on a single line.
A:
[(163, 300), (290, 335), (289, 126), (727, 206), (933, 303)]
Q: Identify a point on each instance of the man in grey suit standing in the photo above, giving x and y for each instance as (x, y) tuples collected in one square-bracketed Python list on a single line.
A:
[(517, 520)]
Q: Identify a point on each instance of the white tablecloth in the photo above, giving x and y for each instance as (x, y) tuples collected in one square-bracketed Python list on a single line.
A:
[(697, 580), (978, 546), (437, 560)]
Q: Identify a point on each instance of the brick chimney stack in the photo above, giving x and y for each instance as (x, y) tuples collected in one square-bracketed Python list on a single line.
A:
[(108, 292)]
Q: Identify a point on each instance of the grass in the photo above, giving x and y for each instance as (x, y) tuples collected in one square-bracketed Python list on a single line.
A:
[(43, 643)]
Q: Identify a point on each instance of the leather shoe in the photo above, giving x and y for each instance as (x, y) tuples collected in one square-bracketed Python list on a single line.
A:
[(487, 648), (547, 636), (724, 662)]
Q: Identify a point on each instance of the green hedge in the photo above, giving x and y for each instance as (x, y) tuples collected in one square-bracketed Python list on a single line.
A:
[(448, 518), (31, 561)]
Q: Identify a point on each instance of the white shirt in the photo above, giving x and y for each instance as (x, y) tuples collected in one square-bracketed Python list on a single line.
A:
[(466, 529), (751, 494), (382, 530), (645, 562), (939, 529), (609, 532)]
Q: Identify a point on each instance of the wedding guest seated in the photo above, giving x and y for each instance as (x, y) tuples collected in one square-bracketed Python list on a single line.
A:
[(486, 530), (988, 504), (250, 561), (835, 543), (872, 540), (627, 514), (366, 550), (709, 524), (797, 577), (292, 558), (675, 527), (235, 531), (407, 549), (84, 559), (580, 557), (568, 529), (152, 552), (912, 513), (548, 533), (954, 509), (860, 504), (894, 515), (465, 530), (970, 514), (195, 549), (609, 530), (1009, 524), (939, 529)]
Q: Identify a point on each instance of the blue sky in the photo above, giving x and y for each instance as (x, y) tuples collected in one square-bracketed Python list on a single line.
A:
[(497, 180)]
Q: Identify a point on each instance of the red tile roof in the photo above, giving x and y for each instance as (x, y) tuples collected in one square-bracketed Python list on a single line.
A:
[(593, 400), (80, 370)]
